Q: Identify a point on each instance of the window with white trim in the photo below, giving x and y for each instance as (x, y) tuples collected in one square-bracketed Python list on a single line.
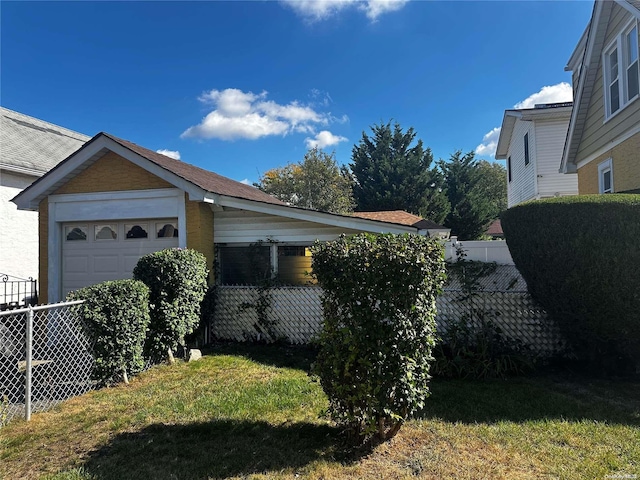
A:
[(605, 176), (621, 70)]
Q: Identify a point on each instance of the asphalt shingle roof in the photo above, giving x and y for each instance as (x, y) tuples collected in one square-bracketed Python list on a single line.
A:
[(401, 218), (209, 181), (32, 145)]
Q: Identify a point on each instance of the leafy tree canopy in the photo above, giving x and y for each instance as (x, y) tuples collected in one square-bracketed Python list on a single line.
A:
[(317, 183), (391, 172), (474, 192)]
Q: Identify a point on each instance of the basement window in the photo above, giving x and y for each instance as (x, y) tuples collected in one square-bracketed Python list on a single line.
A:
[(605, 176)]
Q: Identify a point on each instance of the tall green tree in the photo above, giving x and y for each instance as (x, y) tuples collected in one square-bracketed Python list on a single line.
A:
[(471, 208), (392, 172), (493, 185), (317, 182)]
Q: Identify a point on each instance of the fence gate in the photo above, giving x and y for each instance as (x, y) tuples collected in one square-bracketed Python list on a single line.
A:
[(44, 358)]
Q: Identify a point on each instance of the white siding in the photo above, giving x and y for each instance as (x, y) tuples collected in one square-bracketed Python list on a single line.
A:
[(241, 226), (522, 186), (550, 136), (19, 239)]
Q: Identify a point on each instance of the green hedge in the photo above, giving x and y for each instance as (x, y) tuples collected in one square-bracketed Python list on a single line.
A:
[(177, 281), (379, 328), (580, 257), (115, 317)]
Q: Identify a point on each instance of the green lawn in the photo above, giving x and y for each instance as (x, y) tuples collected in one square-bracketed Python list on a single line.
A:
[(253, 412)]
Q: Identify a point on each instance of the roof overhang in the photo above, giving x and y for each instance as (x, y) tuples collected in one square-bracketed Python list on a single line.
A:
[(325, 218), (526, 115)]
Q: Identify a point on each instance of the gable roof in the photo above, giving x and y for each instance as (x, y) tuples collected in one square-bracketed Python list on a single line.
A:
[(401, 218), (196, 181), (545, 111), (589, 48), (32, 146), (205, 179)]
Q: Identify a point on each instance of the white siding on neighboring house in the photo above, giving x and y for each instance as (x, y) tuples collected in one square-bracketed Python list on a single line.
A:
[(550, 137), (523, 185), (241, 226), (19, 239)]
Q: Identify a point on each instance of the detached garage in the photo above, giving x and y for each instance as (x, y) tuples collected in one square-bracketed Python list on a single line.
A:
[(113, 201)]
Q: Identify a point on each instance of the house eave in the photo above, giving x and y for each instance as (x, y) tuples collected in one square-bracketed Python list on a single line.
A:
[(297, 213)]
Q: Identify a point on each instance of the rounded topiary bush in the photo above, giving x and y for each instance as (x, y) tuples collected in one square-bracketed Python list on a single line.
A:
[(115, 317), (379, 328), (580, 257), (177, 281)]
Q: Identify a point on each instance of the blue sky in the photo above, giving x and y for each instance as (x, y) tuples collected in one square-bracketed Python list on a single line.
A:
[(241, 87)]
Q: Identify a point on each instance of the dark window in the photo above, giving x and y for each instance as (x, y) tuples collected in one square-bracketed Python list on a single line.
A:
[(168, 230), (509, 168), (526, 149), (244, 265), (136, 231)]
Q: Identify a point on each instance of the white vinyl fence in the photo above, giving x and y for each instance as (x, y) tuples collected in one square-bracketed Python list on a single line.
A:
[(44, 359), (480, 250)]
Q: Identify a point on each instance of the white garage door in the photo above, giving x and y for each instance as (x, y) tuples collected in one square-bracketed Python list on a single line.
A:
[(94, 252)]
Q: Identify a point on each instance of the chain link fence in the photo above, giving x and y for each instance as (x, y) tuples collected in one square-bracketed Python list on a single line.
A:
[(44, 359)]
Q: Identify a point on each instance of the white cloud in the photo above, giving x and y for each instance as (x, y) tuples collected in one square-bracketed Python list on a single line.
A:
[(237, 114), (489, 143), (324, 139), (375, 8), (246, 181), (316, 10), (558, 93), (169, 153)]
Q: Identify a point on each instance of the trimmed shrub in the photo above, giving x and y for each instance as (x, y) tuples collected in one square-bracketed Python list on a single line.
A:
[(177, 281), (379, 328), (580, 257), (115, 317)]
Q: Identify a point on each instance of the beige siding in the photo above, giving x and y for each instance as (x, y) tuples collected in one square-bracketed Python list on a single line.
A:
[(550, 136), (596, 132), (625, 159), (200, 230)]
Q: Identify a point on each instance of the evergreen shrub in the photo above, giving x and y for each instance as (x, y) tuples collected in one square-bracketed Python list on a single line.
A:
[(379, 328), (177, 281), (115, 318), (580, 257)]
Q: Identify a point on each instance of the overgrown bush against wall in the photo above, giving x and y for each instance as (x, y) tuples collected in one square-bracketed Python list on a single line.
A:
[(115, 317), (379, 328), (580, 257), (177, 281)]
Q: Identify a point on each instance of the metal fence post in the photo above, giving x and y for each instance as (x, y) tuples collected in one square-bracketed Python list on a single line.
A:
[(27, 393)]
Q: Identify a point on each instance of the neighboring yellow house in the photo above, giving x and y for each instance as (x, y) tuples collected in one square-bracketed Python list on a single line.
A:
[(603, 140)]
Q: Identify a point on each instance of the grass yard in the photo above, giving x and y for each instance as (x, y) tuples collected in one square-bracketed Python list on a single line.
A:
[(253, 412)]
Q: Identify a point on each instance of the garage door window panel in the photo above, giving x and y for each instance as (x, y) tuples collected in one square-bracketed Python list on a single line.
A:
[(75, 233), (136, 231), (106, 232), (167, 230)]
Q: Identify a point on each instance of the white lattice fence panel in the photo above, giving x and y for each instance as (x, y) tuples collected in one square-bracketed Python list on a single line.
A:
[(295, 314), (515, 313)]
